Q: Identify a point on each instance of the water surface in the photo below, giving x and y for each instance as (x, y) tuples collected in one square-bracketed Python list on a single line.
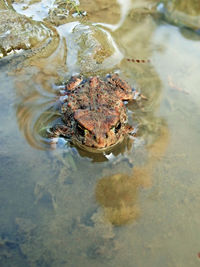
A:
[(137, 205)]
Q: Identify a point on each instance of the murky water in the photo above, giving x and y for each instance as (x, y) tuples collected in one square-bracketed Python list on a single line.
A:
[(137, 205)]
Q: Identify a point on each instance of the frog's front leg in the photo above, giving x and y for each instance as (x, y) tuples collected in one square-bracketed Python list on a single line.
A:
[(138, 96), (58, 131)]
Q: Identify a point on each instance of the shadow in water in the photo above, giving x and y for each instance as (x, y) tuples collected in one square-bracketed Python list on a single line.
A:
[(118, 193)]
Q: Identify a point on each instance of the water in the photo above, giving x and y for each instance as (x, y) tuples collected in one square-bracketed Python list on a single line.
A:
[(134, 206)]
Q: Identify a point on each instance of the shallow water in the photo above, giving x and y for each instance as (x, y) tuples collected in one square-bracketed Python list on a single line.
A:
[(137, 205)]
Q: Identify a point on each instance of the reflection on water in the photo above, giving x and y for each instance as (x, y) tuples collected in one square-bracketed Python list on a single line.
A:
[(36, 10), (124, 9), (132, 206)]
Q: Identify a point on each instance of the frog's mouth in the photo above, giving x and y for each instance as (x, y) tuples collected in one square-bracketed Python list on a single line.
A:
[(97, 149)]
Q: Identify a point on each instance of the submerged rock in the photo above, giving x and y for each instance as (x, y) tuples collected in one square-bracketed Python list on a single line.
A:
[(181, 13), (19, 33), (90, 48)]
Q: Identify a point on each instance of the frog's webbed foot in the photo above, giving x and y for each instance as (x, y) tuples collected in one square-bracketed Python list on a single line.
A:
[(58, 131), (138, 96)]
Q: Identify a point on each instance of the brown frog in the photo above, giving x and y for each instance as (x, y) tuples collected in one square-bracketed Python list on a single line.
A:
[(94, 113)]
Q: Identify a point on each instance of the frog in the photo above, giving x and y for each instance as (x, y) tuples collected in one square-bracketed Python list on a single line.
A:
[(94, 113)]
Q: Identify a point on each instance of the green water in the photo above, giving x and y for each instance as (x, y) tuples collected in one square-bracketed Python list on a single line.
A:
[(135, 206)]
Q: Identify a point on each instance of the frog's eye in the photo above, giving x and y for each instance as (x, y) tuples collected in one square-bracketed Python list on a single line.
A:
[(81, 130), (118, 127)]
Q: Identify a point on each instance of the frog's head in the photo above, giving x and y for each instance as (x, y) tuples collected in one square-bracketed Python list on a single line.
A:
[(101, 129)]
